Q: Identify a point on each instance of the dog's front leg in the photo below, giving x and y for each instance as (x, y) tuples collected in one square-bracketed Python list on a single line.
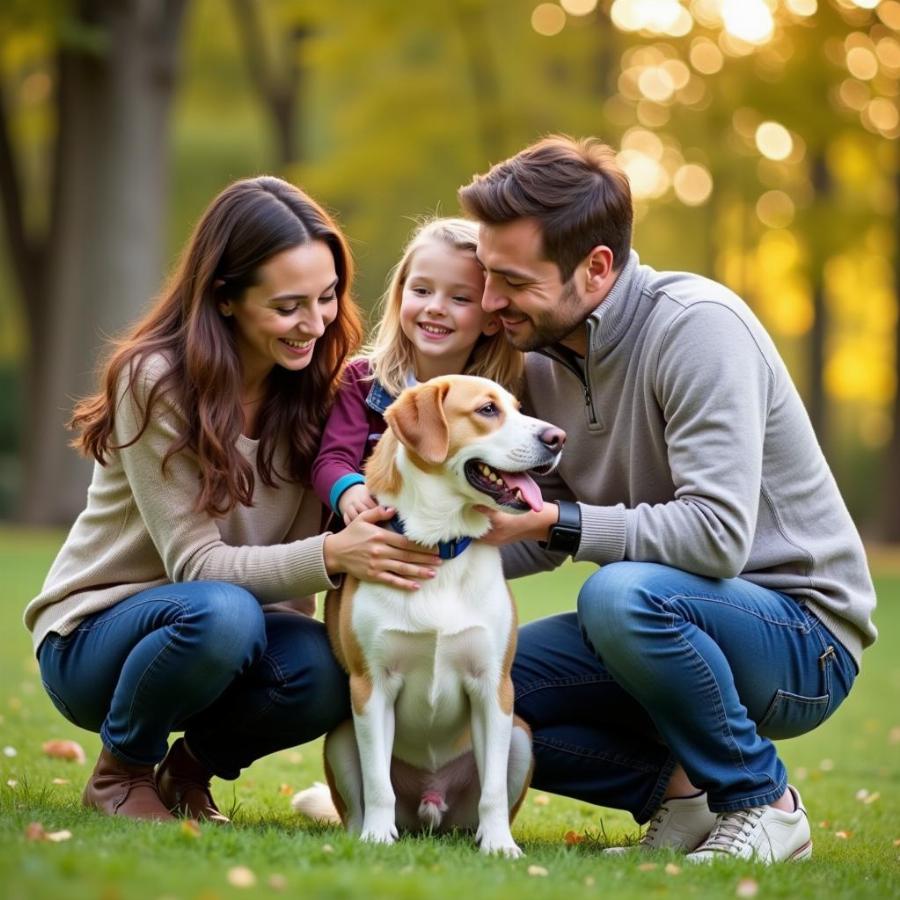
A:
[(491, 737), (373, 721)]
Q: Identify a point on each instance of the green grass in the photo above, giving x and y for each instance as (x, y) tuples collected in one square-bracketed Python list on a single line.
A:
[(857, 750)]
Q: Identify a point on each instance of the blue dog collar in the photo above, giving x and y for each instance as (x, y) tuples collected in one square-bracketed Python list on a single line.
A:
[(446, 549)]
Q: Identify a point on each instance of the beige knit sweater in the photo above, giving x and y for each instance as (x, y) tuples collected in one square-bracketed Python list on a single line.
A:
[(140, 528)]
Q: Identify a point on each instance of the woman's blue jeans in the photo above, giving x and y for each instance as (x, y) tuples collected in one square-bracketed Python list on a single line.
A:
[(659, 666), (203, 658)]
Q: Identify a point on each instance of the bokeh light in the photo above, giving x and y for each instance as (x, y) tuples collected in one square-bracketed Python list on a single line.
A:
[(667, 17), (802, 7), (548, 19), (774, 141), (775, 209), (578, 7), (748, 20), (705, 56), (862, 63), (692, 184)]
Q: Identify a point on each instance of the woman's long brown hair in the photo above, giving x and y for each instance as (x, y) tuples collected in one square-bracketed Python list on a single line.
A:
[(246, 225)]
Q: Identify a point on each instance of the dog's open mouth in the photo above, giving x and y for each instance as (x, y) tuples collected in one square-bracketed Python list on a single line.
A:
[(515, 490)]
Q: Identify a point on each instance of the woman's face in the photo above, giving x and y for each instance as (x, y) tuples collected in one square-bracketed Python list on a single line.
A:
[(279, 319)]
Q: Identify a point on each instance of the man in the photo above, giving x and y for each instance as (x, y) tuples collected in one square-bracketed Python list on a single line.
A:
[(733, 600)]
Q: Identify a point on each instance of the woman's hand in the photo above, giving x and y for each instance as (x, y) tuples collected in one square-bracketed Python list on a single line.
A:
[(355, 500), (369, 552), (507, 528)]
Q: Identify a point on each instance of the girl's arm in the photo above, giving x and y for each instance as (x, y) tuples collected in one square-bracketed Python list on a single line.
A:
[(343, 445)]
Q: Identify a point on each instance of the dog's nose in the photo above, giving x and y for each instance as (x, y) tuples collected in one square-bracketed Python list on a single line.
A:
[(553, 438)]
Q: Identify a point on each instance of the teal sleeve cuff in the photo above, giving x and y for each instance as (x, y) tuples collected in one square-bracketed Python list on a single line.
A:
[(341, 485)]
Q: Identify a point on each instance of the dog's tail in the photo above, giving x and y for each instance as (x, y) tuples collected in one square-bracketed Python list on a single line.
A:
[(432, 807), (315, 803)]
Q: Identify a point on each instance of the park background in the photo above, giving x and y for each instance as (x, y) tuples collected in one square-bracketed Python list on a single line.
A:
[(760, 137)]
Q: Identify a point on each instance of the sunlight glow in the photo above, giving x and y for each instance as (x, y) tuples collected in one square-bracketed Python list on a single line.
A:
[(656, 16), (647, 177), (802, 7), (862, 63), (706, 57), (775, 209)]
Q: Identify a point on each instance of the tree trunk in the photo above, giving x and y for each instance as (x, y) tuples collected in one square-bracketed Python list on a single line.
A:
[(104, 255), (891, 495), (818, 338)]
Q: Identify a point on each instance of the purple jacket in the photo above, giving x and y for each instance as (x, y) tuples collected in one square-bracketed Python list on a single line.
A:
[(354, 425)]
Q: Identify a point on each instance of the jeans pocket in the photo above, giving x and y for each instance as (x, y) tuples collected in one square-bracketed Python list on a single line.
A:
[(790, 715)]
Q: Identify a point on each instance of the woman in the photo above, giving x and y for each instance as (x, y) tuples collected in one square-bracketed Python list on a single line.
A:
[(152, 617)]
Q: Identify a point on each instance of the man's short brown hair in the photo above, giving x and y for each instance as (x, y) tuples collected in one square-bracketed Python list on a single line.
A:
[(576, 191)]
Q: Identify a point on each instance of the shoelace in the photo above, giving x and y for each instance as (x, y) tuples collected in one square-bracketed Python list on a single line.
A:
[(649, 836), (732, 830)]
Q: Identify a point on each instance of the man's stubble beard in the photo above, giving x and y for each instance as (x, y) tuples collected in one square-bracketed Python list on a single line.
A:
[(553, 327)]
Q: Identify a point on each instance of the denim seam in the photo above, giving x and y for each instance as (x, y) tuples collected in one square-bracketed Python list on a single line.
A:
[(572, 681), (179, 622), (583, 753), (802, 627)]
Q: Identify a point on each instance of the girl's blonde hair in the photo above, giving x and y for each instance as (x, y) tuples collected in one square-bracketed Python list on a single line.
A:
[(390, 351)]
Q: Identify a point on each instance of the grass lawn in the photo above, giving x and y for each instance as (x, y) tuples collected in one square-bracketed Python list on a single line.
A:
[(847, 771)]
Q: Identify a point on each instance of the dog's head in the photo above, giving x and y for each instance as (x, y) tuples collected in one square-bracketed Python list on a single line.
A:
[(470, 432)]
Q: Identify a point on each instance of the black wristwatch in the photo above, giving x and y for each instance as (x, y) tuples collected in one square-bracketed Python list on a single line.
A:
[(565, 535)]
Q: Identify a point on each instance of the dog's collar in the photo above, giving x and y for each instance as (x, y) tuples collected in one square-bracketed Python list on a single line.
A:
[(446, 549)]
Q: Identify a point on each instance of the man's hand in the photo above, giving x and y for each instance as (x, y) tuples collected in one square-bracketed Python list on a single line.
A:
[(507, 528)]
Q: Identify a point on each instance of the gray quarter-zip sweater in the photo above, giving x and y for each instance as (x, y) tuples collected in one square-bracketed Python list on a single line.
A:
[(689, 446)]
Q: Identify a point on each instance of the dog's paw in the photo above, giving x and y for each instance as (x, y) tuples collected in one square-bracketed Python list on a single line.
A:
[(498, 844), (379, 828)]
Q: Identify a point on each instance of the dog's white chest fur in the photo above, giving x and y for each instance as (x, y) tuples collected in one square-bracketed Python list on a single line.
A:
[(431, 648)]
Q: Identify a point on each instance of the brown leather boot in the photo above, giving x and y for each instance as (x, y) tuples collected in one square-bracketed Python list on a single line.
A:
[(118, 788), (183, 785)]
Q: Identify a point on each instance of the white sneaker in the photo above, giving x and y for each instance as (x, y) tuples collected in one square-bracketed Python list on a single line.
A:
[(763, 833), (679, 824)]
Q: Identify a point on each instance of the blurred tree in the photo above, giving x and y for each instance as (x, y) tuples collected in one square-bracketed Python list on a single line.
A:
[(88, 260)]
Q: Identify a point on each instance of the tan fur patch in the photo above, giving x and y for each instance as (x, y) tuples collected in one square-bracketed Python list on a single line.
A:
[(505, 691), (380, 470), (360, 692), (417, 418)]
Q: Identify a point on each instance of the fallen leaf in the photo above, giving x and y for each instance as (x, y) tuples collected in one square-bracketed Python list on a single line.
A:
[(15, 704), (826, 765), (35, 832), (672, 869), (541, 800), (540, 871), (190, 828), (747, 887), (589, 881), (11, 782), (897, 842), (60, 781), (894, 735), (241, 876), (824, 824), (285, 790), (843, 835), (573, 838), (63, 749), (646, 867), (277, 882), (57, 836), (294, 757), (874, 797), (861, 794), (9, 751), (327, 848), (801, 774)]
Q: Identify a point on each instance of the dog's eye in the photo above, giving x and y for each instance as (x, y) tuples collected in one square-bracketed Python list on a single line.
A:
[(489, 409)]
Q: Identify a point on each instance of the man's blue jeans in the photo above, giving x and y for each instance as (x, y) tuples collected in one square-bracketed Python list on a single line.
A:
[(660, 666), (199, 657)]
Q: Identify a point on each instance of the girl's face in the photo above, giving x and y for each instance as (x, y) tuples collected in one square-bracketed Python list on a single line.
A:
[(279, 319), (440, 309)]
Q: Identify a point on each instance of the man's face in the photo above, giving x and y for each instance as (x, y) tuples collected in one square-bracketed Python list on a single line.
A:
[(525, 290)]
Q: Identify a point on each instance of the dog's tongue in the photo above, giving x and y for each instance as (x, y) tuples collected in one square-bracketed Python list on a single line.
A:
[(531, 493)]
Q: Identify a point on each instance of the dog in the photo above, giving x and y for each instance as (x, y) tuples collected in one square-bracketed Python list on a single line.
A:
[(433, 745)]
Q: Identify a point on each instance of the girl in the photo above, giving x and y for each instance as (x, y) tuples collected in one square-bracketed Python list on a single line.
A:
[(151, 619), (432, 325)]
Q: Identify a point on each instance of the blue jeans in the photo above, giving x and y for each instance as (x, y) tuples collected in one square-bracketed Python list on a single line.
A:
[(203, 658), (660, 666)]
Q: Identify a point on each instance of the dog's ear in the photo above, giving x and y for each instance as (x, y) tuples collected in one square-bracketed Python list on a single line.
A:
[(417, 418)]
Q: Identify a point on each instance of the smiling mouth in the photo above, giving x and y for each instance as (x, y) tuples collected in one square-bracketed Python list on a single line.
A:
[(514, 490), (296, 345), (435, 330)]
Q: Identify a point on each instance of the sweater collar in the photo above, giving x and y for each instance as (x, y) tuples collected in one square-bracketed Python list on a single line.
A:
[(609, 321)]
